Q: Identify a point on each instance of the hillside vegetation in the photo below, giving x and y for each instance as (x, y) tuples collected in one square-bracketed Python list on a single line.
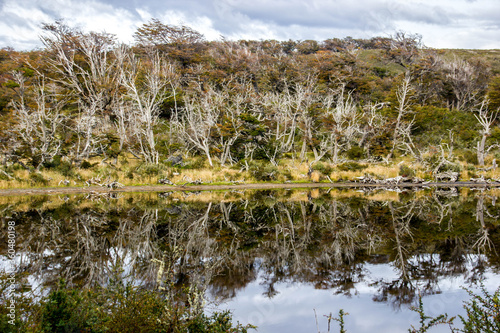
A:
[(176, 106)]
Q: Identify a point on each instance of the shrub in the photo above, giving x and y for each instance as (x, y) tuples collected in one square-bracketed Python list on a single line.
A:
[(325, 169), (406, 171), (351, 166), (427, 322), (195, 163), (470, 157), (66, 169), (483, 312), (263, 172), (149, 169), (37, 179), (117, 307), (58, 310), (286, 175), (4, 176), (86, 165), (355, 153), (54, 163), (129, 175)]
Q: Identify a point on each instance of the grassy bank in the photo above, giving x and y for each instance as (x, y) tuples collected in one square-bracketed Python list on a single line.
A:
[(133, 172)]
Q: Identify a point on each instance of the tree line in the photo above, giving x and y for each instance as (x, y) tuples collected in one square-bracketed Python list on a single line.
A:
[(85, 94)]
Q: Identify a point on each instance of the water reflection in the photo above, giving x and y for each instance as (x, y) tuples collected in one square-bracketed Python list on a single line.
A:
[(223, 242)]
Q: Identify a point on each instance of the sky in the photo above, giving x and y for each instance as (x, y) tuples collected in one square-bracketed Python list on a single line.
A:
[(470, 24)]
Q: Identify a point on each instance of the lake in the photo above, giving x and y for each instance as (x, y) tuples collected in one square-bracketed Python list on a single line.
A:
[(279, 259)]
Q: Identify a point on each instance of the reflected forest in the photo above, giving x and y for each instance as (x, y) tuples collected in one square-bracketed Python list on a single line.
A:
[(218, 242)]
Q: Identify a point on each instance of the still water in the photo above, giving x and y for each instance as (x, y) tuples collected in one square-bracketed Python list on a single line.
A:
[(279, 259)]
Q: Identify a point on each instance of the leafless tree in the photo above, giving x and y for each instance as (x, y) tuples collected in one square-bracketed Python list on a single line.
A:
[(343, 119), (402, 136), (198, 120), (145, 92), (486, 118), (484, 237), (237, 101), (372, 123), (466, 82), (82, 65), (283, 123), (299, 99), (39, 118), (123, 121), (401, 218)]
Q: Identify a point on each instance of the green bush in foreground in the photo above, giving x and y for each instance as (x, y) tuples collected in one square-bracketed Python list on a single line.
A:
[(115, 308), (483, 312)]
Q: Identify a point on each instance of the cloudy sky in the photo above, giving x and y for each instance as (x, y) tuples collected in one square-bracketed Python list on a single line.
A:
[(443, 24)]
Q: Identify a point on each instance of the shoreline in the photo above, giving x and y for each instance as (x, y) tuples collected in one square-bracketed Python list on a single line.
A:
[(256, 186)]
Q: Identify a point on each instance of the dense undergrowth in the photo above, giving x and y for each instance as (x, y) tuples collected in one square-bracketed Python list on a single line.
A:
[(117, 307)]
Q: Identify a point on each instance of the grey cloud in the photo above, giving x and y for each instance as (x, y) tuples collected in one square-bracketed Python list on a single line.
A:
[(422, 14), (295, 19), (361, 17)]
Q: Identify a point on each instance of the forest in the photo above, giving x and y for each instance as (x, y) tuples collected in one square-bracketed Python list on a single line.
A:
[(87, 109)]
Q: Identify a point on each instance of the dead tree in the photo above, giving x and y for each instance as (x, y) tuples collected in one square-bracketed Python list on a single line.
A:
[(371, 124), (198, 120), (82, 65), (230, 125), (300, 100), (465, 81), (282, 119), (143, 98), (343, 122), (402, 129), (486, 118), (484, 237), (39, 118)]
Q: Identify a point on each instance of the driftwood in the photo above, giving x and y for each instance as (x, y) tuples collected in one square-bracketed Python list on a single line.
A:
[(368, 179), (165, 181), (106, 183), (447, 192), (65, 182), (450, 176), (191, 181), (114, 185), (165, 194), (5, 173), (93, 181), (233, 182)]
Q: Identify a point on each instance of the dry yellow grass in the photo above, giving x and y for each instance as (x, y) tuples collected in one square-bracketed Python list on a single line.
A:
[(131, 172), (210, 176), (315, 177), (384, 196)]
